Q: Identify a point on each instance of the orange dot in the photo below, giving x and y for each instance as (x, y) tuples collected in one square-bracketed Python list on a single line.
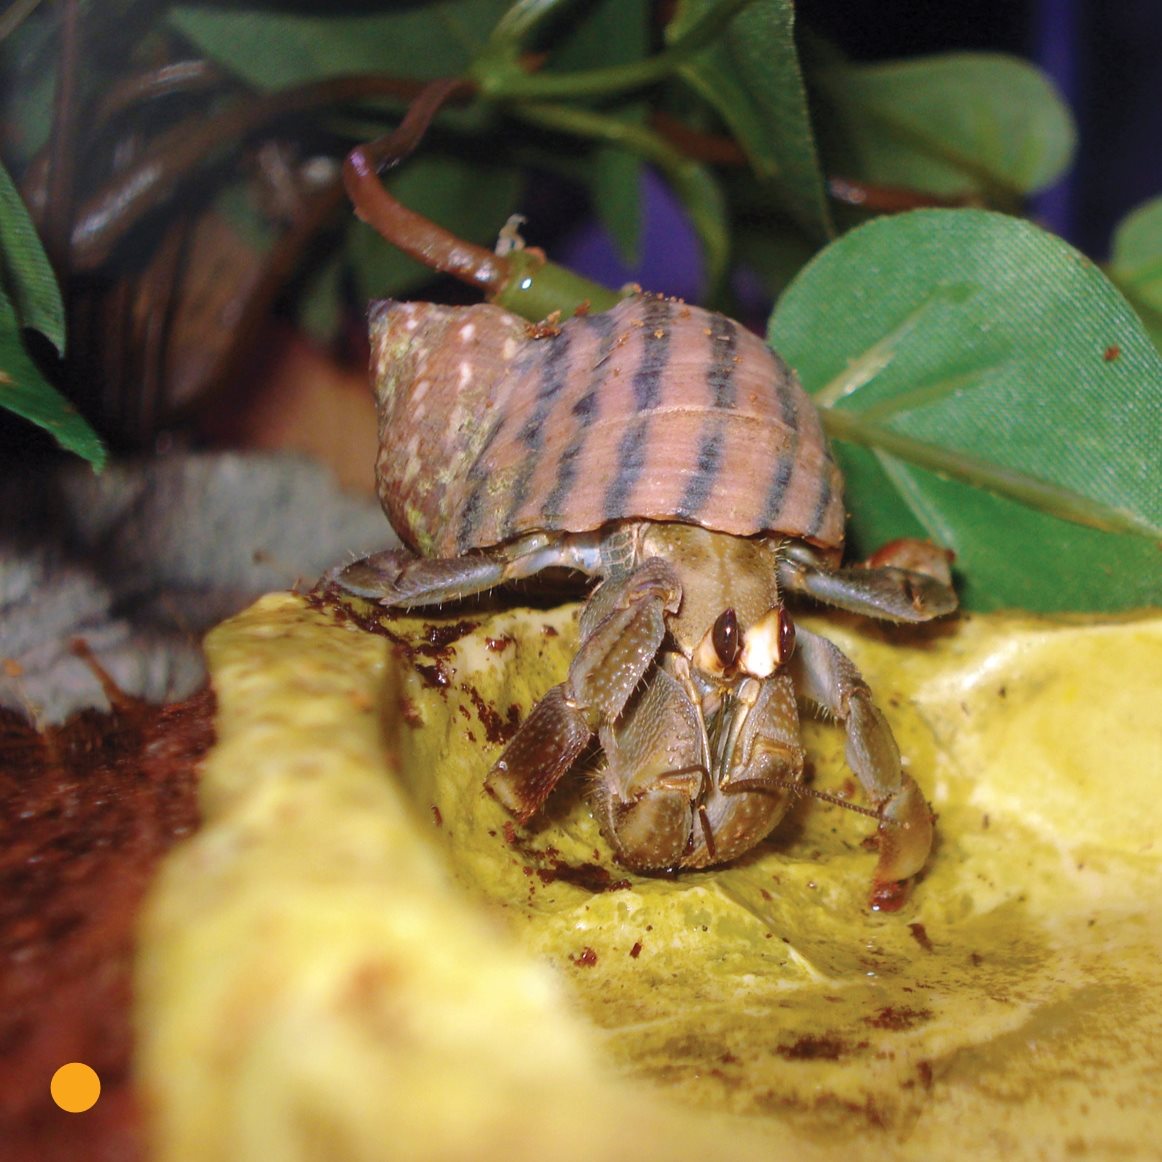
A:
[(75, 1087)]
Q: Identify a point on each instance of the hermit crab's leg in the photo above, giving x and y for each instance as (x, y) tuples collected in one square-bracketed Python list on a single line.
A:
[(881, 589), (827, 677), (616, 650), (402, 580)]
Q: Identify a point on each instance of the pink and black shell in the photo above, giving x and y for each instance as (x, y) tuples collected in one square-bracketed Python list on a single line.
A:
[(491, 428)]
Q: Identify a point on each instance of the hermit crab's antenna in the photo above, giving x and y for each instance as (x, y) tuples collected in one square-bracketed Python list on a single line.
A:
[(803, 789)]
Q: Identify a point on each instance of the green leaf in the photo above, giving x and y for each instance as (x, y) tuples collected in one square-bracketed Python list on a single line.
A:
[(30, 299), (25, 391), (612, 32), (28, 278), (1136, 264), (959, 124), (703, 200), (320, 300), (615, 178), (985, 347), (237, 203), (606, 32), (472, 200), (752, 78), (276, 49), (775, 254), (28, 65), (694, 184)]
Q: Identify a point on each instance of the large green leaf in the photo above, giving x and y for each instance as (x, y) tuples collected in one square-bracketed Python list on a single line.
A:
[(751, 77), (275, 49), (1136, 263), (28, 278), (981, 124), (991, 350), (25, 391)]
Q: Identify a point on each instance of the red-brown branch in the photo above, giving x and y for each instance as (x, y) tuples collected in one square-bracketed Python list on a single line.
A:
[(415, 235)]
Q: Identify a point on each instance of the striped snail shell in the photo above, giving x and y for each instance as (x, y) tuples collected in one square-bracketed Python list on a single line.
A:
[(490, 427)]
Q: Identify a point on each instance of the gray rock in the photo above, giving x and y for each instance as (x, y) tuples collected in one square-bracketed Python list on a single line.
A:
[(140, 561)]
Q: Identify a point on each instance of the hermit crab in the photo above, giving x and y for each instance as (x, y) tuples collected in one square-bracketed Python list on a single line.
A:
[(667, 452)]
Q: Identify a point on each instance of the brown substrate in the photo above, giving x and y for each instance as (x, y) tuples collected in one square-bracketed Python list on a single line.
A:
[(86, 811)]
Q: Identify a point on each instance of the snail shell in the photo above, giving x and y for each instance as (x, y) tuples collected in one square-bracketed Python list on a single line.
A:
[(490, 428)]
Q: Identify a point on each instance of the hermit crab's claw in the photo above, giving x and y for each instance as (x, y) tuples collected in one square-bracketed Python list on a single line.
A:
[(915, 555), (547, 744), (645, 797), (827, 677), (905, 834)]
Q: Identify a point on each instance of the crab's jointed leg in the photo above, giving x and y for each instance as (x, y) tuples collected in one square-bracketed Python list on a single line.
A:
[(621, 631), (827, 677), (882, 589), (402, 580)]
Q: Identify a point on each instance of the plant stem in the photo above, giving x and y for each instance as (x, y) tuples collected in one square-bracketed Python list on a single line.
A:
[(690, 180), (882, 199), (415, 235), (502, 81), (538, 287), (581, 122), (188, 76)]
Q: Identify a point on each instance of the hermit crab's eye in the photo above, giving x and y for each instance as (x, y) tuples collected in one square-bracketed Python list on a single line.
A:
[(725, 638)]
